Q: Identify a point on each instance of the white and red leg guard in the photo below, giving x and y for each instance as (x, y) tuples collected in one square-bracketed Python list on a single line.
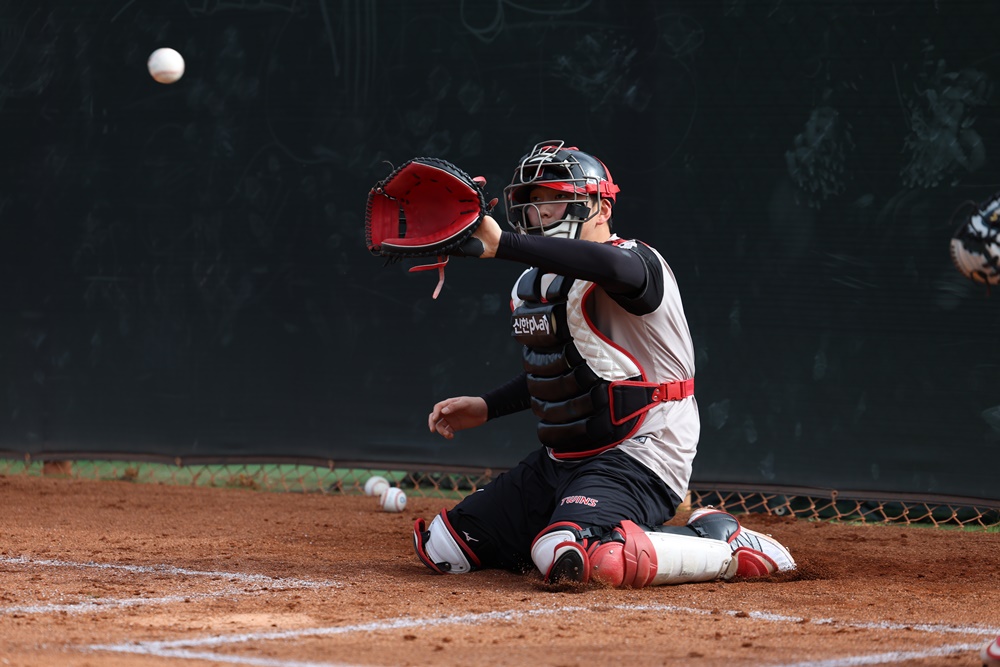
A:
[(634, 558), (991, 654), (559, 552), (440, 547)]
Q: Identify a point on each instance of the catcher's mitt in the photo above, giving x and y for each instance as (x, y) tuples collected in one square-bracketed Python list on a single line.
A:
[(427, 207), (975, 245)]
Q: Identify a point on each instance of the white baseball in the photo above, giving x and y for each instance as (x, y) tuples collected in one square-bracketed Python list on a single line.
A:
[(393, 499), (165, 65), (376, 485)]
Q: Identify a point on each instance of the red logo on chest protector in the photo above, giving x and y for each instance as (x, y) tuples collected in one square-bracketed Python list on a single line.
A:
[(579, 500)]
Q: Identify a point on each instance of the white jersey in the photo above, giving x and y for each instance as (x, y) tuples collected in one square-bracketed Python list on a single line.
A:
[(660, 344)]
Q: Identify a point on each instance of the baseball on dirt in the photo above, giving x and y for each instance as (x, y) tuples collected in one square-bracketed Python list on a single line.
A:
[(393, 499), (376, 485), (165, 65)]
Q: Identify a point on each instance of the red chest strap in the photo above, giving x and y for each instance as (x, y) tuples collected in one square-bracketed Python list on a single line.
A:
[(630, 398)]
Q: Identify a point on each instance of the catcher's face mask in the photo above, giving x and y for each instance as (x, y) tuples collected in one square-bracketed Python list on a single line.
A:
[(578, 181), (545, 207)]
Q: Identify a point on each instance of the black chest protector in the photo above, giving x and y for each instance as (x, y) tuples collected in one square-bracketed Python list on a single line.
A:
[(580, 414)]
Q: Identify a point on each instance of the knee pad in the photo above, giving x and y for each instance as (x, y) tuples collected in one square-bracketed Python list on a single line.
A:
[(440, 548), (559, 552), (626, 559)]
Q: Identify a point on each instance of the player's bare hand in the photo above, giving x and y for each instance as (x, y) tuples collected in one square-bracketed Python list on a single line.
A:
[(489, 233), (457, 414)]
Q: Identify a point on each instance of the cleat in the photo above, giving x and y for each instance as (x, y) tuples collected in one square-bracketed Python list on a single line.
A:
[(990, 654), (570, 565), (765, 545), (757, 554)]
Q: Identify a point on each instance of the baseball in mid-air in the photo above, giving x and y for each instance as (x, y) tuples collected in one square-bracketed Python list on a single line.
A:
[(375, 485), (393, 499), (165, 65)]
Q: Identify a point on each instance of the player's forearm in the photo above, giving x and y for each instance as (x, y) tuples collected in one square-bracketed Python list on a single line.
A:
[(615, 269)]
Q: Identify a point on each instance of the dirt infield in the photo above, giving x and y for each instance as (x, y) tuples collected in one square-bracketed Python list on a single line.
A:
[(116, 573)]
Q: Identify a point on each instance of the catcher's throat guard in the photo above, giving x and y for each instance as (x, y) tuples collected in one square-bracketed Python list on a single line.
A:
[(427, 207)]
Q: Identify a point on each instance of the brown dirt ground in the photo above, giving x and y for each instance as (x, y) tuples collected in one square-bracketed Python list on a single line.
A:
[(97, 573)]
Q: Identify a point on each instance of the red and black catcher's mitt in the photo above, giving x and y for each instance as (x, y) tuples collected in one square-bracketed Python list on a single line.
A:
[(425, 207)]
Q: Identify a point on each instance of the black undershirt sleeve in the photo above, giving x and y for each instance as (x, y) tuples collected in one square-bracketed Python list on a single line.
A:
[(508, 398), (617, 270), (633, 278)]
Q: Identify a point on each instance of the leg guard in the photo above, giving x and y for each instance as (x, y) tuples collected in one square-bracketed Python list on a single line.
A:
[(441, 549), (990, 654), (559, 552), (756, 554), (635, 558)]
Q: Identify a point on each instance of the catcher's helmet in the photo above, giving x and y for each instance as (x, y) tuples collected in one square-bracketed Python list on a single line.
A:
[(975, 245), (568, 170)]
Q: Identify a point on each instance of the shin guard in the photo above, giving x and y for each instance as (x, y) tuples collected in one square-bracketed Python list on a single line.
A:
[(635, 558)]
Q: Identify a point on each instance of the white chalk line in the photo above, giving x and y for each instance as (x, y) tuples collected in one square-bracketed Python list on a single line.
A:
[(112, 603), (258, 583), (891, 658), (175, 648), (208, 656), (169, 569)]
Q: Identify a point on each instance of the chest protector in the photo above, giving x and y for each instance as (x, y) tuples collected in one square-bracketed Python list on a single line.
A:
[(588, 394)]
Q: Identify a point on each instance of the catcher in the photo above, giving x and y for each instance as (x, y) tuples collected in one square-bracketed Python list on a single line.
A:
[(609, 371)]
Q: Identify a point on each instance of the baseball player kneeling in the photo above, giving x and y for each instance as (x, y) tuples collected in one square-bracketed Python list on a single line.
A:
[(608, 369)]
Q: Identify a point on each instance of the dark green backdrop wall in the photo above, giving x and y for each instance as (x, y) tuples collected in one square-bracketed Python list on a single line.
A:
[(184, 270)]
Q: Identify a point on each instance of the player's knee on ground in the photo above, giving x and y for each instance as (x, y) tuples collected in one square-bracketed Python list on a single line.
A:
[(559, 553), (629, 556), (441, 548)]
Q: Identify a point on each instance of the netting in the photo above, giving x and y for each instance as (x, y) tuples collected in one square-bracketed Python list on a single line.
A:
[(332, 477)]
